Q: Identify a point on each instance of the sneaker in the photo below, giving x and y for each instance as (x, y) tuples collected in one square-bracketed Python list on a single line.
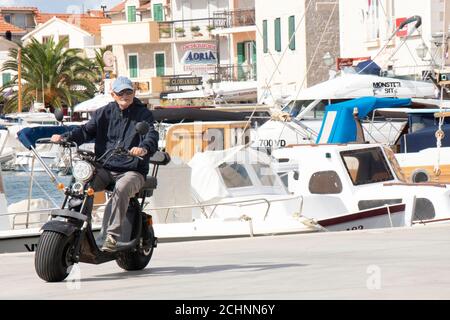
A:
[(110, 244)]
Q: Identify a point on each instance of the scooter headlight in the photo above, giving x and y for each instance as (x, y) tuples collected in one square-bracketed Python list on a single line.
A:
[(83, 171)]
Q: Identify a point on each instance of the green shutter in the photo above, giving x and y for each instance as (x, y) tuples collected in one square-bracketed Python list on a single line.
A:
[(278, 34), (241, 59), (158, 12), (6, 78), (133, 66), (160, 64), (292, 32), (254, 59), (265, 39), (131, 13)]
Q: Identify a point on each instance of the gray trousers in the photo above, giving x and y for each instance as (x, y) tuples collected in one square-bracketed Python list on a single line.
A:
[(115, 219)]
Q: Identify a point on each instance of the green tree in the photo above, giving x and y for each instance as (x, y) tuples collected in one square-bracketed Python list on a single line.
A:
[(99, 66), (59, 76)]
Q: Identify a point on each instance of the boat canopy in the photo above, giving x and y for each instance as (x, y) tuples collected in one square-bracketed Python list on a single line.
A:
[(93, 104), (338, 125), (350, 86), (28, 136), (239, 171)]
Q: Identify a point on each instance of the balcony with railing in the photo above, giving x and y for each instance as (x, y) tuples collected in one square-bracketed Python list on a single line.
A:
[(187, 30), (233, 19), (234, 72)]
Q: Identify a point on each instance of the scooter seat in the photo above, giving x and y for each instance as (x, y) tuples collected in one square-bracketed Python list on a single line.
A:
[(147, 189)]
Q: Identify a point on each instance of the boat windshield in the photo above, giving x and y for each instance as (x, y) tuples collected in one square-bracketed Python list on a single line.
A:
[(296, 106), (394, 163), (366, 166), (258, 175), (235, 175)]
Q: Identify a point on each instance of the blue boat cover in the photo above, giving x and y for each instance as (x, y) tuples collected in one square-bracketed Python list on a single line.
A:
[(343, 129), (29, 136), (424, 138), (368, 67)]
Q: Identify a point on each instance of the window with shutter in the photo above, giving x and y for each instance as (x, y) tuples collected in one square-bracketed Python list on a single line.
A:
[(265, 39), (133, 66), (131, 13), (292, 32), (278, 34)]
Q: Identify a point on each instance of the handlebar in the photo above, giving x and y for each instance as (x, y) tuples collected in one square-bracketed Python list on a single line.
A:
[(63, 142), (125, 152)]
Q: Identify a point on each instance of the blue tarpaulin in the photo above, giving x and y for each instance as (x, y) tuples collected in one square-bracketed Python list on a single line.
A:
[(342, 128), (29, 136), (424, 138), (368, 67)]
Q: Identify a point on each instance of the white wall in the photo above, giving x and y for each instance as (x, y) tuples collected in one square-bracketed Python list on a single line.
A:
[(287, 78), (354, 25), (77, 39), (198, 9), (5, 46)]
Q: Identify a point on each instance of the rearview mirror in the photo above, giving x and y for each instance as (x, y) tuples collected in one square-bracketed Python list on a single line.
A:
[(142, 128), (59, 115)]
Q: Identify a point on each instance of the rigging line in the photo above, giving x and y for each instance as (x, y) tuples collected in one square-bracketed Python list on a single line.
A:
[(312, 59), (287, 47), (439, 133), (387, 20), (316, 49), (281, 59)]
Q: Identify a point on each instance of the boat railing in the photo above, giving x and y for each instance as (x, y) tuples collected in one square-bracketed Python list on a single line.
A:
[(393, 131), (203, 206), (32, 213), (214, 205)]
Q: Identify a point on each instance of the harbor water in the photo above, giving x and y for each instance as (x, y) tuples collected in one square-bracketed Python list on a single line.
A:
[(17, 186)]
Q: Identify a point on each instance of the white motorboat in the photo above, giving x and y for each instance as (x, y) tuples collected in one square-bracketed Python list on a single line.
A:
[(359, 186)]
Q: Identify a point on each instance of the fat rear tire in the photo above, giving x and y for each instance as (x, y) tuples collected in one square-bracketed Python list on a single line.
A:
[(51, 260), (137, 260)]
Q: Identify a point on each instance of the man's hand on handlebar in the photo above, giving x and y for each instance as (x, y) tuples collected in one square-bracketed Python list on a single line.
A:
[(138, 152), (56, 138)]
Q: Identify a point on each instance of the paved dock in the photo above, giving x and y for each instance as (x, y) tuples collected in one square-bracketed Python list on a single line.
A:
[(370, 264)]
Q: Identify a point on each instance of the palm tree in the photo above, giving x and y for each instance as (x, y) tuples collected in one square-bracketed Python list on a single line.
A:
[(50, 73), (99, 66)]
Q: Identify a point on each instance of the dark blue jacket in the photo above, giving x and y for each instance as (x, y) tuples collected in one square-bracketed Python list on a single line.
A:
[(112, 127)]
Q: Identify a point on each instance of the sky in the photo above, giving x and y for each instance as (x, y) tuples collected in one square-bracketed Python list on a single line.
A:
[(61, 6)]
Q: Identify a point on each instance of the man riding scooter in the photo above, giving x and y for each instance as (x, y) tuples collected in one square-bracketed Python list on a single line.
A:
[(113, 126)]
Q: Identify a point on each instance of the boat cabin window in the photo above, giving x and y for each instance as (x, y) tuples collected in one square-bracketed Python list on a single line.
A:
[(265, 174), (366, 166), (235, 175), (325, 182), (284, 176), (369, 204), (423, 210)]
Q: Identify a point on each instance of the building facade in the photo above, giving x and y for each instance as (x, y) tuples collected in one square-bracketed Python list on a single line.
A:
[(182, 45), (294, 37), (367, 29), (81, 31)]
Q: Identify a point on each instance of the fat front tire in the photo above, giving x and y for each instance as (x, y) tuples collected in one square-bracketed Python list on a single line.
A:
[(52, 259)]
